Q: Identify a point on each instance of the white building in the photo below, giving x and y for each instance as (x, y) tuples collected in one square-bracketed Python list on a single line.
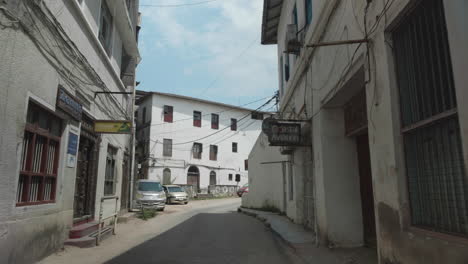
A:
[(189, 141), (386, 166), (54, 169)]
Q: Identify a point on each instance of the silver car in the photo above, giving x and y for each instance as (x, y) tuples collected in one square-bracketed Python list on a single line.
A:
[(150, 193), (175, 194)]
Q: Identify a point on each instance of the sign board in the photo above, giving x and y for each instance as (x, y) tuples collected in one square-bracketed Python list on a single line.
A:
[(69, 104), (113, 126), (266, 125), (285, 134), (72, 143)]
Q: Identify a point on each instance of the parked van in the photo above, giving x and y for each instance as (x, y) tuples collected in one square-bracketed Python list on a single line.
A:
[(150, 193)]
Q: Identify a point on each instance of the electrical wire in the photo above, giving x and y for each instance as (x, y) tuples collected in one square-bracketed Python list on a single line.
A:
[(180, 5)]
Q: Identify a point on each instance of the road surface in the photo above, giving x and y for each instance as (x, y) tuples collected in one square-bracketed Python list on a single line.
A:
[(205, 232)]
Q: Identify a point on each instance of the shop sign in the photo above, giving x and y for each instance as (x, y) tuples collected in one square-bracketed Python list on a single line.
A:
[(113, 126), (69, 104), (285, 134)]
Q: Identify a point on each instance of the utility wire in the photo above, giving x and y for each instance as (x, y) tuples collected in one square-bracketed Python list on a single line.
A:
[(180, 5)]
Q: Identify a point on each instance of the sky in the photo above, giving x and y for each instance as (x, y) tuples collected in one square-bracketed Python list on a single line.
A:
[(210, 51)]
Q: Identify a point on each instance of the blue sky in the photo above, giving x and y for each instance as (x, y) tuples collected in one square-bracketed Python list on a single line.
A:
[(210, 51)]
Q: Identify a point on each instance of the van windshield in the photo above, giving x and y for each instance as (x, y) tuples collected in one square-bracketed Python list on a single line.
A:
[(149, 187)]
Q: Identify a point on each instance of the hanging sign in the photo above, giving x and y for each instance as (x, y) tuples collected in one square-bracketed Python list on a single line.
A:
[(69, 104), (285, 134), (113, 126)]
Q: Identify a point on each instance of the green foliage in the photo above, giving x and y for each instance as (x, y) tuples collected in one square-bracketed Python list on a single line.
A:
[(147, 213)]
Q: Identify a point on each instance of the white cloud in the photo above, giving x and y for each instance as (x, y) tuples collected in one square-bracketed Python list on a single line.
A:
[(214, 35)]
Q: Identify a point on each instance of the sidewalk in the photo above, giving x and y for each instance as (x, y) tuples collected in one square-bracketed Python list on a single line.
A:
[(303, 242)]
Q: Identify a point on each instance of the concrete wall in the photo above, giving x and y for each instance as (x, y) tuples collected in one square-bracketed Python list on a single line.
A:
[(28, 233), (265, 180), (329, 73), (227, 161)]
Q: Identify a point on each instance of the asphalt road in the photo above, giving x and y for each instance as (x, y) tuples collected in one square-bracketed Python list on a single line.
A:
[(215, 233)]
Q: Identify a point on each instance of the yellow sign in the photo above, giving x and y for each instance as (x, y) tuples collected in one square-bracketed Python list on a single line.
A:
[(113, 126)]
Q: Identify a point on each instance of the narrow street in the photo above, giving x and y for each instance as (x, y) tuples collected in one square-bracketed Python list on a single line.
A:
[(208, 231)]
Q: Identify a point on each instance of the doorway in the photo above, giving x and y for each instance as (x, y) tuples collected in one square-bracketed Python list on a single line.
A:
[(85, 182), (366, 189), (193, 178)]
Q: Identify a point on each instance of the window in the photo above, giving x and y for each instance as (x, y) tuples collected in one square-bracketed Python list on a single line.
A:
[(238, 177), (213, 152), (39, 158), (294, 16), (286, 67), (166, 176), (196, 118), (167, 147), (109, 179), (234, 146), (212, 178), (168, 113), (230, 177), (308, 11), (105, 28), (257, 116), (233, 124), (435, 169), (214, 121), (246, 164), (143, 118), (197, 150)]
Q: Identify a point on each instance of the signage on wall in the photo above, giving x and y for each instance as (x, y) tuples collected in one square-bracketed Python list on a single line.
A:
[(72, 148), (113, 126), (69, 104), (285, 134)]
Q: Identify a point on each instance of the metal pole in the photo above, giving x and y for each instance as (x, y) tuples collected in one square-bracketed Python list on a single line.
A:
[(334, 43), (116, 214), (98, 238), (133, 142)]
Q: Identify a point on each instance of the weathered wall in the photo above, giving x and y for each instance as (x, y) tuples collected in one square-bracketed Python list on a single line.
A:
[(265, 180)]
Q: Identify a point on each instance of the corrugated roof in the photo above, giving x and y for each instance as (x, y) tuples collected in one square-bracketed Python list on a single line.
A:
[(271, 17)]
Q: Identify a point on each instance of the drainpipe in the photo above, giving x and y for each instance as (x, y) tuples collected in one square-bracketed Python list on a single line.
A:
[(133, 142)]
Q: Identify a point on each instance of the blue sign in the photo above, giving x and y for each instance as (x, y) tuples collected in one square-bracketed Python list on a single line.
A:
[(72, 143), (69, 104)]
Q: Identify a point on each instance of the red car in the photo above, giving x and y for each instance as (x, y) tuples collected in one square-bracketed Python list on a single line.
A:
[(242, 190)]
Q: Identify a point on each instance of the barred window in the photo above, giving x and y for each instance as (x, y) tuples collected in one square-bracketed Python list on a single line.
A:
[(39, 158), (435, 168), (110, 177), (234, 147), (167, 147)]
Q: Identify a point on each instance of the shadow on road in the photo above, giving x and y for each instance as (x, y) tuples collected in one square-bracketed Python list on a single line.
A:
[(211, 238)]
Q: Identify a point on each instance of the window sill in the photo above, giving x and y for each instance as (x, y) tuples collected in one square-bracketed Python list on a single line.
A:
[(34, 203), (428, 234)]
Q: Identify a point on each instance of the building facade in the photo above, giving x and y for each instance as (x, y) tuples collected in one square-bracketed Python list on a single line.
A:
[(54, 169), (189, 141), (382, 84)]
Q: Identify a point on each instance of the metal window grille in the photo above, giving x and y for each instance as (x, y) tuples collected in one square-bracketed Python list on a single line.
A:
[(167, 147), (230, 177), (434, 160), (214, 121), (233, 124), (39, 158), (197, 118), (213, 152), (168, 113), (238, 177)]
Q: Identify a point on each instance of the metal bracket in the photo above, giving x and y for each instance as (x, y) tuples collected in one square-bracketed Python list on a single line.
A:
[(335, 43)]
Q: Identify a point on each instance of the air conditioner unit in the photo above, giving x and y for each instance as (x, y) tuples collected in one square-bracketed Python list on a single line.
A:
[(293, 43)]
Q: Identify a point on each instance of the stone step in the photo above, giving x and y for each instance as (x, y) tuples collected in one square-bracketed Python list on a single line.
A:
[(83, 230)]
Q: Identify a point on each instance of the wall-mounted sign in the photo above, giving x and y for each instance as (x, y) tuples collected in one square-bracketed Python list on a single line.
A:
[(285, 134), (72, 143), (113, 126), (69, 104)]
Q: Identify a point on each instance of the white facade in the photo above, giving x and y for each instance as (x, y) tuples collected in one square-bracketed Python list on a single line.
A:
[(46, 45), (184, 134), (321, 85)]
